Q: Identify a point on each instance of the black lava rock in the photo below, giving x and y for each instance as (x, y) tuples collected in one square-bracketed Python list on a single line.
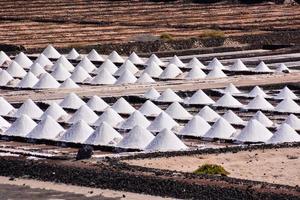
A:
[(84, 152)]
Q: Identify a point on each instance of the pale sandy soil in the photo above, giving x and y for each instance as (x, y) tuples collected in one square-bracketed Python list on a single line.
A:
[(273, 165), (48, 189)]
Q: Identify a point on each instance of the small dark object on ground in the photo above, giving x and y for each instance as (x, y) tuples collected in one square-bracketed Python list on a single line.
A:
[(11, 179), (211, 169), (84, 152), (292, 157)]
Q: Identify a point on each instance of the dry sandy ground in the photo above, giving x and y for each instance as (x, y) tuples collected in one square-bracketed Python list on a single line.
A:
[(33, 189), (280, 166)]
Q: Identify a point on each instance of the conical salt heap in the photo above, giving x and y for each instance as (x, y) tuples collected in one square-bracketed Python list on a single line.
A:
[(208, 114), (5, 78), (262, 67), (28, 81), (288, 105), (23, 60), (259, 103), (215, 64), (77, 133), (109, 66), (153, 69), (72, 101), (232, 118), (171, 71), (282, 68), (109, 116), (46, 81), (126, 78), (166, 140), (64, 61), (21, 127), (43, 60), (4, 125), (55, 111), (97, 104), (194, 62), (216, 72), (126, 66), (195, 73), (285, 133), (29, 108), (135, 59), (61, 73), (94, 56), (103, 78), (5, 107), (69, 83), (199, 98), (197, 126), (84, 113), (145, 78), (152, 93), (169, 96), (48, 128), (4, 59), (37, 69), (286, 93), (293, 121), (51, 52), (227, 100), (238, 65), (79, 75), (263, 119), (162, 121), (86, 64), (137, 138), (177, 111), (115, 57), (136, 118), (257, 91), (104, 135), (154, 58), (15, 70), (122, 106), (231, 89), (150, 109), (73, 54), (254, 131), (220, 129), (176, 61)]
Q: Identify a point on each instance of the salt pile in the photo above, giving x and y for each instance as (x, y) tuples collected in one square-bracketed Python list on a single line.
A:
[(286, 93), (126, 78), (220, 129), (194, 62), (176, 61), (43, 61), (115, 57), (231, 89), (4, 59), (23, 60), (145, 78), (79, 75), (97, 104), (154, 58), (48, 128), (110, 116), (259, 103), (153, 69), (46, 81), (135, 59), (136, 118), (208, 114), (21, 127), (285, 133), (262, 67), (257, 91), (282, 68), (169, 96), (232, 118), (162, 121), (73, 54), (69, 83), (166, 140), (176, 111), (152, 93), (71, 101), (171, 71), (293, 121), (239, 66), (5, 77), (29, 108), (263, 119), (84, 113), (215, 64), (126, 66), (94, 56), (51, 52), (199, 98), (86, 64), (60, 73), (288, 105), (77, 133), (216, 72), (254, 131), (227, 100), (5, 107), (104, 135), (37, 69), (109, 66), (104, 78), (64, 61), (4, 125), (197, 126), (28, 81), (55, 111), (137, 138), (150, 109), (15, 70), (195, 73), (122, 106)]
